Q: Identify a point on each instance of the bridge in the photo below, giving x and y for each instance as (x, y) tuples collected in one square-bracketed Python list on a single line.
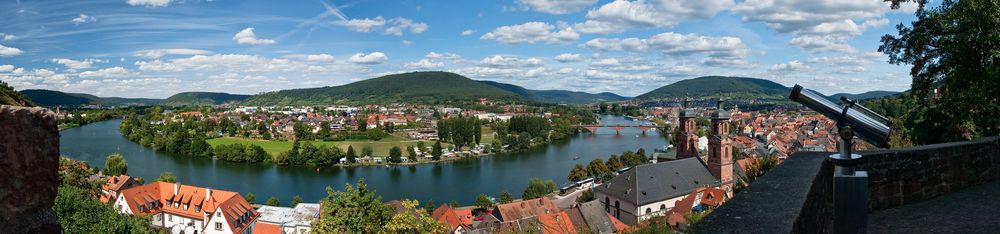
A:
[(618, 128)]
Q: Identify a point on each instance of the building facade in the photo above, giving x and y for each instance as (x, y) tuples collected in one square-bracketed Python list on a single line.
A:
[(188, 209)]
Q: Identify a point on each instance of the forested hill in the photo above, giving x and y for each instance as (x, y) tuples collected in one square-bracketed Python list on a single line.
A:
[(558, 96), (720, 86), (863, 96), (46, 97), (414, 87), (203, 98), (13, 98)]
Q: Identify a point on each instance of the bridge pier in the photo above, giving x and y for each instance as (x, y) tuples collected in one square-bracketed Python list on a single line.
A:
[(618, 129), (592, 129), (644, 129)]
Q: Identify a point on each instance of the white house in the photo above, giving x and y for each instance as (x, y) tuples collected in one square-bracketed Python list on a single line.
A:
[(284, 220), (189, 209)]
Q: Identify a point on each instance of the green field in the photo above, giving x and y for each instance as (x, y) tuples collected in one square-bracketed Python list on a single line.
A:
[(381, 147)]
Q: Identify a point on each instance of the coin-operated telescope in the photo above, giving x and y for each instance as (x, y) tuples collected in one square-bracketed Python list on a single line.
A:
[(850, 187)]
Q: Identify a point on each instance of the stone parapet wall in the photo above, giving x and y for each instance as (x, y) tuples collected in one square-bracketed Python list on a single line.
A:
[(29, 168)]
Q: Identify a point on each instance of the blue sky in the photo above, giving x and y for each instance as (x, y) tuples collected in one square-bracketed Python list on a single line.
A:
[(155, 48)]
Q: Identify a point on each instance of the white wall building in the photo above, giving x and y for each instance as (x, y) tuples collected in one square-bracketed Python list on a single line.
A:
[(189, 209)]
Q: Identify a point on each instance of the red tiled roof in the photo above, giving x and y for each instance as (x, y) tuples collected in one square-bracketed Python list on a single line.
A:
[(232, 204), (446, 215), (266, 228), (556, 223), (527, 208)]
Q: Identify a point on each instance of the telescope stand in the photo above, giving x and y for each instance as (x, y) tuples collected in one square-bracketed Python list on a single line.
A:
[(850, 188)]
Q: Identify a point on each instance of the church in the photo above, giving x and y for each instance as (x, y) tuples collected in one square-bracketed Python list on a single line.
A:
[(652, 190)]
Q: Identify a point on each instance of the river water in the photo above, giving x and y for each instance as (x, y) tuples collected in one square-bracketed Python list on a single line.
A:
[(460, 180)]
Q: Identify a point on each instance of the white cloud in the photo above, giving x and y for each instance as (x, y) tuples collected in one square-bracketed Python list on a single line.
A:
[(149, 3), (9, 51), (163, 52), (401, 24), (565, 58), (424, 64), (246, 63), (435, 55), (112, 72), (396, 26), (248, 37), (319, 58), (791, 66), (809, 16), (618, 16), (6, 68), (83, 19), (674, 44), (532, 32), (557, 6), (372, 58), (362, 25), (74, 64), (407, 42), (507, 61), (822, 43), (606, 62), (468, 32), (7, 36)]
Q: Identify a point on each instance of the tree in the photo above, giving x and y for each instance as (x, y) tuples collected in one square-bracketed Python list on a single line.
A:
[(354, 210), (955, 55), (578, 173), (614, 163), (167, 177), (436, 150), (505, 197), (538, 188), (273, 201), (351, 156), (395, 155), (413, 220), (250, 198), (78, 212), (367, 150), (411, 154), (115, 165), (597, 168), (586, 196), (483, 202), (296, 200)]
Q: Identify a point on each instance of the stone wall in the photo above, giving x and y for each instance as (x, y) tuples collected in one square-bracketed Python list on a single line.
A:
[(903, 176), (29, 164)]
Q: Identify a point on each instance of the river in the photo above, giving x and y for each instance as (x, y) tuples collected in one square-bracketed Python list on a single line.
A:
[(460, 180)]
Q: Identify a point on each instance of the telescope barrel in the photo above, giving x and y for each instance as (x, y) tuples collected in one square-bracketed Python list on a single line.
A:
[(864, 126)]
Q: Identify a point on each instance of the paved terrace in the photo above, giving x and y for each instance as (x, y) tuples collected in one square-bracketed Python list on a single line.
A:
[(949, 188)]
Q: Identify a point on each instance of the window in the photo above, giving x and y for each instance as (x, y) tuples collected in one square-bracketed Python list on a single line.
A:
[(663, 206), (607, 204), (218, 226), (197, 209), (648, 210), (218, 214), (170, 218)]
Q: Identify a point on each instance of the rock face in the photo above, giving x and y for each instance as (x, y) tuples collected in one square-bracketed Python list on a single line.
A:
[(29, 168)]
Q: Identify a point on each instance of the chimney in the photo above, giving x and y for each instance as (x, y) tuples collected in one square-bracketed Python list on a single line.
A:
[(177, 188), (208, 193)]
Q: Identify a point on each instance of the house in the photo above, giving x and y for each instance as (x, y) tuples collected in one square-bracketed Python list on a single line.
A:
[(445, 214), (524, 209), (286, 220), (114, 186), (188, 209)]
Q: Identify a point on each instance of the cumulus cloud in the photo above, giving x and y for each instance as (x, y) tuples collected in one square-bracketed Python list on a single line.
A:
[(565, 58), (245, 63), (163, 52), (821, 43), (424, 64), (810, 16), (508, 61), (532, 32), (618, 16), (557, 6), (396, 25), (149, 3), (248, 37), (371, 58), (674, 44), (319, 58), (6, 68), (9, 51), (790, 66), (468, 32), (74, 64), (7, 36), (436, 55), (82, 18), (112, 72)]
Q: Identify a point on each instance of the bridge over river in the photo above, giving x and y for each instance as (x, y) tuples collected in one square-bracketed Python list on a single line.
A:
[(592, 128)]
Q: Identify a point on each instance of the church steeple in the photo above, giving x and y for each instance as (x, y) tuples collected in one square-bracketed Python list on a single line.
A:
[(720, 149), (687, 136)]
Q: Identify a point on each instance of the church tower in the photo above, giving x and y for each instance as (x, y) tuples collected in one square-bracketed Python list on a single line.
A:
[(720, 149), (687, 135)]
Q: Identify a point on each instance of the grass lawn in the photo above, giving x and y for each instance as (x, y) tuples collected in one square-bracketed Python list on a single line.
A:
[(272, 147), (381, 147)]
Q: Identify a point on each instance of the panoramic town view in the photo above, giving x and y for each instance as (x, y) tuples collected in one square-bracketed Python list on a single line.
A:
[(508, 116)]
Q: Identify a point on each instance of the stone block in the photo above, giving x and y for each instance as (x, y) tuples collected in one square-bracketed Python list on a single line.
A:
[(29, 156)]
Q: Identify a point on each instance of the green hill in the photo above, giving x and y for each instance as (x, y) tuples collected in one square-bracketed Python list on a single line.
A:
[(46, 97), (10, 97), (203, 99), (720, 86), (414, 87), (863, 96), (558, 96)]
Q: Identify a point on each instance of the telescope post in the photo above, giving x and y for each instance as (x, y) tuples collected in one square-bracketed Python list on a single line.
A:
[(850, 187)]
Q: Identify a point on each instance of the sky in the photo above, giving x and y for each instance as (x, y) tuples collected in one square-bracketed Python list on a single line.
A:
[(156, 48)]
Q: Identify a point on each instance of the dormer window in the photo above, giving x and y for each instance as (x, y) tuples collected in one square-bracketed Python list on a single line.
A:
[(197, 208), (185, 206)]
